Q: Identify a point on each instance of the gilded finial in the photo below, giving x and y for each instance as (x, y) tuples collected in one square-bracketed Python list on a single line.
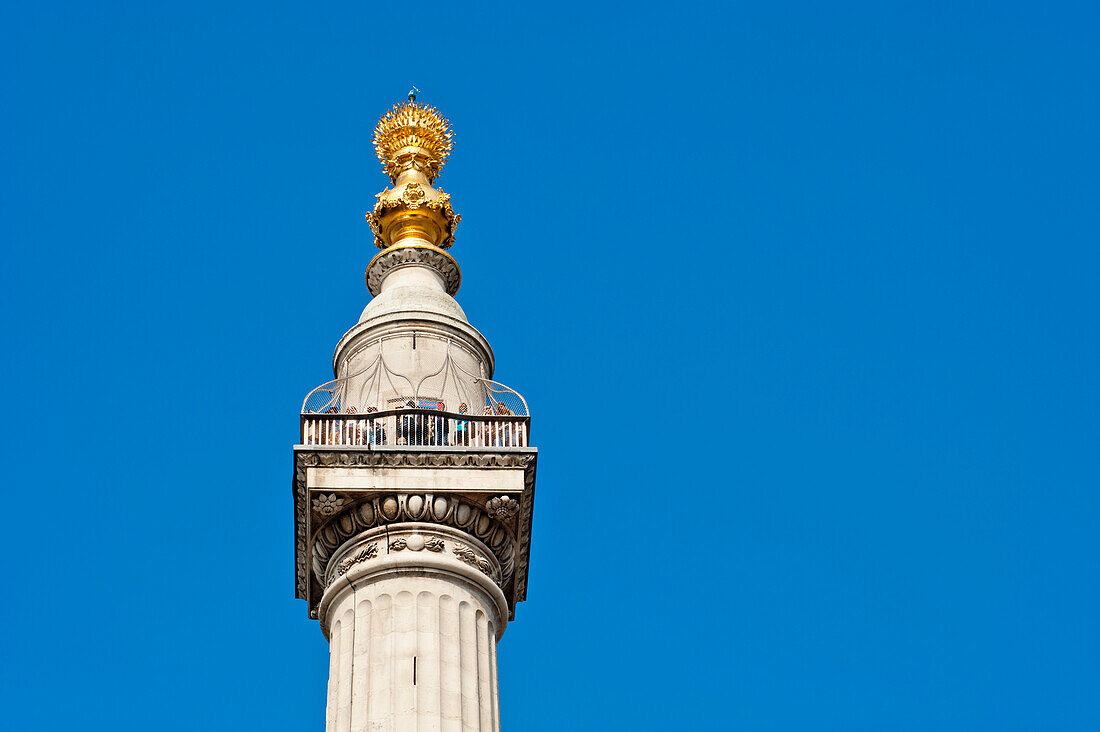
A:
[(413, 222), (413, 136), (412, 141)]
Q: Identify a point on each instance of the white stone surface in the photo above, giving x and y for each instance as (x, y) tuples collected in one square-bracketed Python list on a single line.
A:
[(413, 288), (427, 359), (437, 480), (413, 299), (412, 640)]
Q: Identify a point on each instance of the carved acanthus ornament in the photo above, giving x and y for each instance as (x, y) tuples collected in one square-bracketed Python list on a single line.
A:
[(370, 551), (469, 556)]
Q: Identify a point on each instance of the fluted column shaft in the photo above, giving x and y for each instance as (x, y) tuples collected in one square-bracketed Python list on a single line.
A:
[(412, 644)]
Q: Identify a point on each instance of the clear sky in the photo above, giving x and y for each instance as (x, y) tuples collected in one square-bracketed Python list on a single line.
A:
[(804, 300)]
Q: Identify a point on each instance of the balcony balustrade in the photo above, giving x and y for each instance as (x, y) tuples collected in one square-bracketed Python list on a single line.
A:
[(416, 427)]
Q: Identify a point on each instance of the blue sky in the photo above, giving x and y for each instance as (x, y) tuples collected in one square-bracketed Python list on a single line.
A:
[(803, 297)]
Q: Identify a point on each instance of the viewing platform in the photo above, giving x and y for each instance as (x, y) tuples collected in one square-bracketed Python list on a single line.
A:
[(470, 411), (416, 426)]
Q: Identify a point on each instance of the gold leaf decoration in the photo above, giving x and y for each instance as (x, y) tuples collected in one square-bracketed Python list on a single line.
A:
[(413, 125)]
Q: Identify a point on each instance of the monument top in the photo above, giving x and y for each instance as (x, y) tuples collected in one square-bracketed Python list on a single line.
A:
[(413, 134)]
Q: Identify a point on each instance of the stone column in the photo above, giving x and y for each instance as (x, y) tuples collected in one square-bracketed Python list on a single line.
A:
[(413, 614)]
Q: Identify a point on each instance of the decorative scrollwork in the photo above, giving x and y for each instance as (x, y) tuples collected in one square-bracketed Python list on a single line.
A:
[(417, 542), (469, 556), (437, 259), (330, 459), (368, 552), (413, 197)]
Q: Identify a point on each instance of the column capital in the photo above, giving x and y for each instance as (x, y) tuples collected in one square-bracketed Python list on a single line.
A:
[(345, 493), (417, 547)]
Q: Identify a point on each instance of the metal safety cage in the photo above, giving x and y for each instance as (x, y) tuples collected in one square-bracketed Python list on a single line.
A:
[(449, 386), (378, 405)]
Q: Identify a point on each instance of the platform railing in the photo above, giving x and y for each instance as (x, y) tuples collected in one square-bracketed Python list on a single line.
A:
[(415, 427)]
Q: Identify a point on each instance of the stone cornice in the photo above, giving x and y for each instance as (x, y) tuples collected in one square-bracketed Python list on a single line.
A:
[(308, 587)]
